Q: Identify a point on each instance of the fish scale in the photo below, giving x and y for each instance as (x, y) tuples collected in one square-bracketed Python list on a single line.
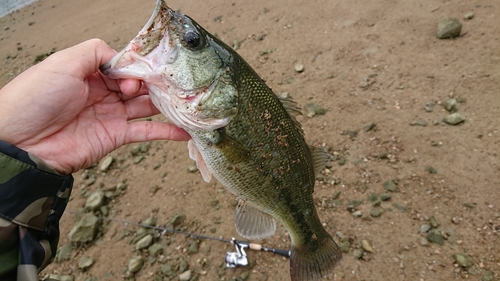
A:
[(242, 133)]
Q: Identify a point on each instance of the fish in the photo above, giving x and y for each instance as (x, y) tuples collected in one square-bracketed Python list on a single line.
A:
[(242, 133)]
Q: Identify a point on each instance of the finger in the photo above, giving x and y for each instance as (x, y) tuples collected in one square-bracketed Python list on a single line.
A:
[(141, 131), (140, 107), (132, 88)]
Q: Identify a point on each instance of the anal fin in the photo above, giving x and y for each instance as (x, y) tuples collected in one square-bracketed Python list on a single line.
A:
[(195, 154), (252, 223)]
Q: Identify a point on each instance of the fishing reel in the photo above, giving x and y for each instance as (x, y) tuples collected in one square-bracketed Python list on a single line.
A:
[(238, 258)]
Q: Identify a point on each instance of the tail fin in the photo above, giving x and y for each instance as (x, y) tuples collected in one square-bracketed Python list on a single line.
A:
[(315, 259)]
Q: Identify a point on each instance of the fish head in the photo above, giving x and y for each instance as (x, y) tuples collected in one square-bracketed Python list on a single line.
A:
[(189, 79)]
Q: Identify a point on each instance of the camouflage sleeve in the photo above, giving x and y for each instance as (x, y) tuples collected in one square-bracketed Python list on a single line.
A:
[(33, 197)]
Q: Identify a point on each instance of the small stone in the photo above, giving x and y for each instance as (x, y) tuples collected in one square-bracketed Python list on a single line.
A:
[(185, 276), (462, 260), (193, 248), (84, 229), (424, 242), (144, 242), (63, 253), (178, 220), (167, 270), (345, 245), (138, 159), (183, 265), (450, 104), (90, 181), (155, 249), (136, 148), (66, 278), (121, 186), (419, 122), (85, 263), (430, 106), (358, 253), (488, 276), (433, 222), (399, 207), (435, 237), (352, 134), (449, 28), (469, 16), (192, 168), (367, 246), (431, 170), (385, 196), (377, 212), (244, 275), (313, 109), (151, 221), (424, 228), (357, 214), (299, 68), (470, 205), (369, 127), (135, 264), (106, 163), (454, 119), (390, 186), (95, 200)]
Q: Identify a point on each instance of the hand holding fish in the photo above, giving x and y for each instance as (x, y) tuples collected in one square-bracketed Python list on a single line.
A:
[(67, 113)]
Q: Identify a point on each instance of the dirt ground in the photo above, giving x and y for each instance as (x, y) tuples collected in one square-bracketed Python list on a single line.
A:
[(365, 62)]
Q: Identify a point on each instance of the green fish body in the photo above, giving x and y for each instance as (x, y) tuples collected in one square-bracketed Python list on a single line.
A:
[(242, 133)]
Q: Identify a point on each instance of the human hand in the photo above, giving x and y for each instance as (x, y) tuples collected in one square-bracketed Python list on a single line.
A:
[(64, 111)]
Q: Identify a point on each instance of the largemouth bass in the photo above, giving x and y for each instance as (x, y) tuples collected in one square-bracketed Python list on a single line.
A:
[(242, 133)]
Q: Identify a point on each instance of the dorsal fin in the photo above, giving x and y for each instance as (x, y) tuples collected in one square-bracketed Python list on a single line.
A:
[(292, 108), (320, 157)]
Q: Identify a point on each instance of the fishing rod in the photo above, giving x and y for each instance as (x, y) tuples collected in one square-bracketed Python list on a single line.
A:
[(233, 259)]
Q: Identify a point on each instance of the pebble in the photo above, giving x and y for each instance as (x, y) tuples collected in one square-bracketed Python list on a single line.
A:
[(193, 248), (358, 253), (377, 212), (313, 109), (66, 278), (367, 246), (488, 276), (424, 242), (424, 228), (151, 221), (430, 106), (63, 252), (419, 122), (155, 249), (95, 201), (106, 163), (299, 68), (462, 260), (390, 186), (433, 222), (469, 16), (192, 168), (138, 159), (431, 170), (345, 245), (454, 119), (244, 275), (385, 196), (449, 28), (85, 262), (167, 270), (435, 237), (450, 105), (144, 242), (185, 276), (183, 266), (136, 148), (369, 127), (84, 229), (135, 264), (357, 214)]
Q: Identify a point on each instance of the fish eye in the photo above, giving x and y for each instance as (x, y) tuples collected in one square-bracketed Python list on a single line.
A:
[(192, 39)]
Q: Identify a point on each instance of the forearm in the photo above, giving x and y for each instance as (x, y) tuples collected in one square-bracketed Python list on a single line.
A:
[(32, 200)]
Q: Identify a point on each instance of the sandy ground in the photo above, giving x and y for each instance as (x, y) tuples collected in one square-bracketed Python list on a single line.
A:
[(365, 62)]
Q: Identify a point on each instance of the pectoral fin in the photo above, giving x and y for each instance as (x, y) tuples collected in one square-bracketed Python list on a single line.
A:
[(320, 158), (195, 154), (252, 223)]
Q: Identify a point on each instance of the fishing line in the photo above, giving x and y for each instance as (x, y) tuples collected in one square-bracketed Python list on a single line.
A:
[(233, 259)]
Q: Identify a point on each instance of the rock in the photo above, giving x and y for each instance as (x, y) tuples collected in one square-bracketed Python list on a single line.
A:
[(424, 242), (135, 264), (144, 242), (419, 122), (390, 186), (167, 270), (369, 127), (155, 249), (433, 222), (385, 196), (436, 237), (66, 278), (151, 221), (430, 106), (138, 159), (366, 246), (84, 229), (85, 262), (357, 214), (449, 28), (299, 68), (454, 119), (345, 245), (462, 260), (192, 168), (450, 105), (183, 265), (377, 212), (178, 220), (63, 253), (313, 109), (193, 248), (106, 163), (469, 16), (424, 228), (244, 275), (358, 253), (95, 201), (488, 276), (185, 276), (431, 170)]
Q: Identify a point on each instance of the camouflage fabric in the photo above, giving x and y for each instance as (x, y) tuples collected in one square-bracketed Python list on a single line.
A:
[(33, 197)]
